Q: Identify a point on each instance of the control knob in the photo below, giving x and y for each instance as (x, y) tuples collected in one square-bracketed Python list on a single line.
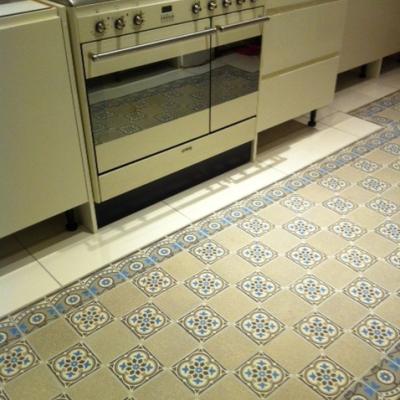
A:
[(212, 5), (138, 19), (100, 26), (119, 23), (240, 2), (226, 3), (196, 8)]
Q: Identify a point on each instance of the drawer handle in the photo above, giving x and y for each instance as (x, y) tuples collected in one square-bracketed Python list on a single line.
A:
[(184, 150), (161, 42)]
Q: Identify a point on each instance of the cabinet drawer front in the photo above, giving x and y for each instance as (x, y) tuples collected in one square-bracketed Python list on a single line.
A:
[(138, 174), (303, 35), (289, 95)]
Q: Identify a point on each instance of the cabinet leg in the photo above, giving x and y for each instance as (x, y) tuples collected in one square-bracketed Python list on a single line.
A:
[(71, 224), (313, 119), (363, 71)]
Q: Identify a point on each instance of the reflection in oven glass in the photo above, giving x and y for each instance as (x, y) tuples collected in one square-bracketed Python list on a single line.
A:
[(127, 102), (235, 70)]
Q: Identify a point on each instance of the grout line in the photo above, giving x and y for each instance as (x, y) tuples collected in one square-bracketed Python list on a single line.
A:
[(38, 261)]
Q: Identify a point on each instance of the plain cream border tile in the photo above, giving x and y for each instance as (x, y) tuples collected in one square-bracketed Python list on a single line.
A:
[(373, 88), (352, 125), (306, 149), (71, 256), (214, 194), (27, 282), (349, 99)]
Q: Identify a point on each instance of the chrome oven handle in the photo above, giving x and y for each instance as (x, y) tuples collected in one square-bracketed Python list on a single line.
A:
[(99, 56), (258, 20)]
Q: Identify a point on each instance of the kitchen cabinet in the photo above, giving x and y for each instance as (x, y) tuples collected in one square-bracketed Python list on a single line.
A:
[(41, 164), (372, 31), (300, 56)]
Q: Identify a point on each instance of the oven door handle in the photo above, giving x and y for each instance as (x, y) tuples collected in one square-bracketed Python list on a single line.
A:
[(258, 20), (99, 56)]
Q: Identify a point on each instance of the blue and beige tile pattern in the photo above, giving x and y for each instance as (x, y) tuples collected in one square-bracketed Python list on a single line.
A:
[(291, 293)]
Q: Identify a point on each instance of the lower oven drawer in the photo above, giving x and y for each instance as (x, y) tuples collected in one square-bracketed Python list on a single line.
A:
[(139, 173)]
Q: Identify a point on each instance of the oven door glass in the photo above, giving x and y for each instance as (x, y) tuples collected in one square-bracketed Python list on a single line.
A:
[(235, 67), (163, 101)]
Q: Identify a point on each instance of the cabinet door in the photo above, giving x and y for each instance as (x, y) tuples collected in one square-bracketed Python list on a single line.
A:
[(372, 31), (41, 168)]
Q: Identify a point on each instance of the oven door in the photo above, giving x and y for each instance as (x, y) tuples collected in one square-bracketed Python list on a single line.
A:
[(148, 91), (235, 66)]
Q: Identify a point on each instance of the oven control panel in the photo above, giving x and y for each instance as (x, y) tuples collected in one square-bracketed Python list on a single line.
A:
[(104, 20)]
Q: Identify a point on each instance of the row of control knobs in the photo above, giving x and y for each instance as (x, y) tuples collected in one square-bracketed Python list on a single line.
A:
[(212, 5), (119, 23)]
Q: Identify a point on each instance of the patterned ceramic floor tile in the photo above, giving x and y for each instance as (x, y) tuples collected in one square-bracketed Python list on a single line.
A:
[(306, 256), (374, 185), (297, 203), (383, 206), (339, 205), (360, 391), (71, 297), (228, 307), (366, 165), (133, 264), (8, 332), (356, 258), (146, 320), (198, 371), (366, 292), (260, 326), (62, 397), (203, 323), (135, 367), (385, 380), (258, 287), (154, 282), (394, 258), (257, 254), (318, 330), (74, 364), (104, 280), (347, 230), (333, 183), (326, 377), (312, 290), (255, 226), (3, 395), (16, 359), (89, 318), (377, 332), (301, 228), (392, 148), (206, 284), (261, 374), (389, 230), (209, 251)]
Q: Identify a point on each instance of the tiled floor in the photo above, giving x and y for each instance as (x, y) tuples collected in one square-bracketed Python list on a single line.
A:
[(47, 257), (290, 293)]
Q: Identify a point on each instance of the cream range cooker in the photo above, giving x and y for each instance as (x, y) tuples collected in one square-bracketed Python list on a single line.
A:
[(168, 93)]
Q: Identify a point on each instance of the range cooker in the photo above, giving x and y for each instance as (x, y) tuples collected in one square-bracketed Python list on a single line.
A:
[(163, 85)]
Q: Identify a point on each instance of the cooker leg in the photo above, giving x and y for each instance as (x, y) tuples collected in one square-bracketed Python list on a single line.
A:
[(313, 118), (363, 71), (71, 224)]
